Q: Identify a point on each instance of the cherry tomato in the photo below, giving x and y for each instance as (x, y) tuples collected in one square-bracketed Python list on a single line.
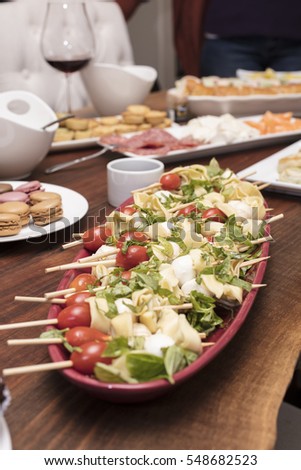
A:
[(188, 210), (84, 361), (82, 281), (78, 298), (74, 315), (126, 275), (214, 214), (170, 181), (83, 334), (95, 237), (210, 238), (137, 236), (135, 255), (129, 210)]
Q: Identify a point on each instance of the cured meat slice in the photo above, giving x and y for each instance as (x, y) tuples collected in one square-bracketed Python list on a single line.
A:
[(113, 139)]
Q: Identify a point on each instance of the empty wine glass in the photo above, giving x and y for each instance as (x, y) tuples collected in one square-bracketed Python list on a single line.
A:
[(67, 39)]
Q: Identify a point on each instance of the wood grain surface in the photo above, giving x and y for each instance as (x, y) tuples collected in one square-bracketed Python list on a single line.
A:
[(231, 404)]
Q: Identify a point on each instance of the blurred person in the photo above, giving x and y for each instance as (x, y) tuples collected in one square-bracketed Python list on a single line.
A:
[(216, 37)]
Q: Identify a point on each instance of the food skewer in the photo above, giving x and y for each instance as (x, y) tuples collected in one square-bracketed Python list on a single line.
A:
[(51, 295), (37, 368), (71, 244), (22, 298), (77, 265)]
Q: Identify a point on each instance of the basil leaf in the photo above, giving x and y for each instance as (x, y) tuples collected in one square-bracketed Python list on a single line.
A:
[(145, 367), (174, 360), (106, 373), (116, 347)]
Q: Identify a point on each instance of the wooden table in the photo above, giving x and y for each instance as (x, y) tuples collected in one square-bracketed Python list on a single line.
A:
[(231, 404)]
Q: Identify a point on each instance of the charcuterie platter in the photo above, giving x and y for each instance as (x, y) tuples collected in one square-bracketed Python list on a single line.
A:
[(160, 288)]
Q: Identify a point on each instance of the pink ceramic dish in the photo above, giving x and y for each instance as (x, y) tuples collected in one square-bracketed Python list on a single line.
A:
[(133, 393)]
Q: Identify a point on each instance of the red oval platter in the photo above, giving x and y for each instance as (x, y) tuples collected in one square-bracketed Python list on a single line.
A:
[(133, 393)]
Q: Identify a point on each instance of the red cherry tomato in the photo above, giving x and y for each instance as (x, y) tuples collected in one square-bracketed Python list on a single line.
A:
[(188, 210), (137, 236), (170, 181), (135, 255), (214, 214), (95, 237), (128, 210), (83, 334), (126, 275), (84, 361), (82, 281), (78, 298), (74, 315)]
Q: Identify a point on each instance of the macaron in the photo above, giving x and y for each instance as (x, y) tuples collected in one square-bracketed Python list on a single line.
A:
[(10, 224), (19, 208), (40, 196), (45, 212), (14, 196), (30, 187), (5, 187)]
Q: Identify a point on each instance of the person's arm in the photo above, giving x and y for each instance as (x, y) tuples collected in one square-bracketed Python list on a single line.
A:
[(128, 7), (188, 17)]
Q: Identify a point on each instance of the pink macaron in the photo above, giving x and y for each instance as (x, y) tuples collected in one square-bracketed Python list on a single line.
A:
[(30, 187), (14, 196)]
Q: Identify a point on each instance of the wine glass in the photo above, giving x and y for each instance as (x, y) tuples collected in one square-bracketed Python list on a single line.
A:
[(67, 39)]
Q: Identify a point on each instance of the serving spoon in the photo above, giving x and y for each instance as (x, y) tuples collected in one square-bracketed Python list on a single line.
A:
[(63, 118), (60, 166)]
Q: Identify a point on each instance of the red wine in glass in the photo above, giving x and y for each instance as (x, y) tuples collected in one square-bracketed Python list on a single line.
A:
[(67, 38), (68, 66)]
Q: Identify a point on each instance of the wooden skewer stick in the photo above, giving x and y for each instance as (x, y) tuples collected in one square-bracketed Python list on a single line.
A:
[(11, 326), (247, 175), (34, 341), (202, 335), (71, 244), (275, 218), (77, 235), (269, 209), (253, 261), (151, 186), (96, 256), (262, 186), (20, 298), (37, 368), (256, 286), (205, 345), (51, 295), (109, 263), (262, 240), (175, 307)]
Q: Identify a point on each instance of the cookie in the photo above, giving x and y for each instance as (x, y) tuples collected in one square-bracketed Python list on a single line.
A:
[(10, 224), (18, 208), (46, 212)]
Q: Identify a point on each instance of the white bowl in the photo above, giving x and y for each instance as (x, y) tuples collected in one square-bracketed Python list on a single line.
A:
[(112, 87), (23, 143)]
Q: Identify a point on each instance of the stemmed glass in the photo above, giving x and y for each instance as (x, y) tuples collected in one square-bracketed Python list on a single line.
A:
[(67, 39)]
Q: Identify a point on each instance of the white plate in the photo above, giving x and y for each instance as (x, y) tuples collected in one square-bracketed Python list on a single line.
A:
[(266, 171), (75, 206), (243, 105), (74, 144), (214, 149)]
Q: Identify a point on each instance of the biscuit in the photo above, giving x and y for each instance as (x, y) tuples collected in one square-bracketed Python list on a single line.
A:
[(131, 118), (63, 134), (109, 120), (10, 224), (39, 196), (144, 127), (138, 109), (5, 188), (46, 212), (166, 123), (123, 128), (18, 208), (155, 117), (77, 124), (83, 134), (100, 131)]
